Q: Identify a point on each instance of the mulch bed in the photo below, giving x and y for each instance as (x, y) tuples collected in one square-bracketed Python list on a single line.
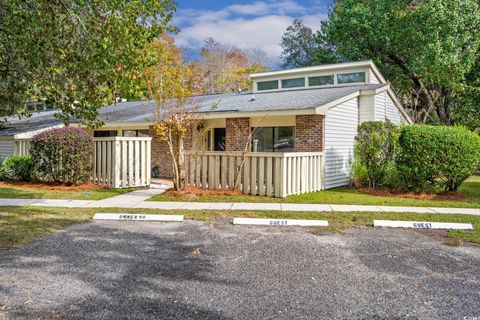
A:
[(191, 191), (52, 186), (447, 196)]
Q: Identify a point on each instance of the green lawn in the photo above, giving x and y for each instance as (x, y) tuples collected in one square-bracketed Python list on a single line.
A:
[(21, 192), (470, 189), (21, 225)]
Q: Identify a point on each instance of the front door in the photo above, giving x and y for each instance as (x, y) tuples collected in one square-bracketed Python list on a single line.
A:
[(219, 139)]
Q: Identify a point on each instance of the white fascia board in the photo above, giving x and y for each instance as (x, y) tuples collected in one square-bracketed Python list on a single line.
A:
[(126, 125), (375, 70), (324, 109), (221, 115), (372, 92), (325, 67), (30, 134)]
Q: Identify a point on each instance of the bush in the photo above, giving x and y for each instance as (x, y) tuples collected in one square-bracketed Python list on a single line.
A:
[(63, 155), (18, 168), (375, 149), (437, 157)]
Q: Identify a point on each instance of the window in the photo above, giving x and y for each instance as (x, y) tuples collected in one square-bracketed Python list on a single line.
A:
[(104, 133), (321, 80), (273, 139), (267, 85), (293, 83), (351, 77), (136, 133), (219, 139)]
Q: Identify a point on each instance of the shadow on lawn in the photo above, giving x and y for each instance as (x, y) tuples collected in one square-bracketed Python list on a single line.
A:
[(132, 274)]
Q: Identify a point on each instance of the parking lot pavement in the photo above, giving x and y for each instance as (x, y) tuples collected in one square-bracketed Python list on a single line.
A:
[(195, 270)]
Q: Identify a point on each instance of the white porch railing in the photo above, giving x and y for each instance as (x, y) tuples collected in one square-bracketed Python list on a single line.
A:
[(121, 162), (22, 147), (271, 174)]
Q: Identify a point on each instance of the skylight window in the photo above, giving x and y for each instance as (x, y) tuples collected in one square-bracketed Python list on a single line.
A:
[(267, 85), (321, 80), (351, 77), (293, 83)]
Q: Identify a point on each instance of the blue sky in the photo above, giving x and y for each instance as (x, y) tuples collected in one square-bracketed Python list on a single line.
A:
[(245, 24)]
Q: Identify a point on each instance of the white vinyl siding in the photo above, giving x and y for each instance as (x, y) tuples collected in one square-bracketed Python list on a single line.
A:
[(340, 130), (366, 108), (6, 148), (373, 77), (385, 109), (393, 114)]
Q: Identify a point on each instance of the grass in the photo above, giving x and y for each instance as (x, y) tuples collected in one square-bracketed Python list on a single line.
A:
[(470, 189), (22, 225), (22, 192)]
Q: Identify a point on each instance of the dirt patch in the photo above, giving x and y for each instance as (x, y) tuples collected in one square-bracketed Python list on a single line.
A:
[(196, 192), (447, 196), (52, 186)]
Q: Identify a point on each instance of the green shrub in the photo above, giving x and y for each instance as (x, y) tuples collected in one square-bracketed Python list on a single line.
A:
[(375, 148), (5, 173), (359, 174), (18, 168), (437, 157), (63, 155), (393, 178)]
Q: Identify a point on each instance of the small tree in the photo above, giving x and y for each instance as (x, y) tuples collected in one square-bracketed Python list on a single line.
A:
[(169, 84), (376, 148), (63, 155)]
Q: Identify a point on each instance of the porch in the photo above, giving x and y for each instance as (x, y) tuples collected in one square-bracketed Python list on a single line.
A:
[(271, 174)]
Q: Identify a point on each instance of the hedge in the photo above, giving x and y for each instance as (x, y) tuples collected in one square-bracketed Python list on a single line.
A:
[(63, 155), (437, 157)]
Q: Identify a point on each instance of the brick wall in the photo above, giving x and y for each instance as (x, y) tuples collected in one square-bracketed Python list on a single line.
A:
[(237, 133), (161, 155), (309, 133)]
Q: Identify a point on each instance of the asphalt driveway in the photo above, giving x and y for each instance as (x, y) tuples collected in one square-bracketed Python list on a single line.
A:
[(194, 270)]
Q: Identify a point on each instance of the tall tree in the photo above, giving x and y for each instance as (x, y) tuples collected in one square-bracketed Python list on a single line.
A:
[(226, 68), (169, 83), (78, 55), (302, 47), (425, 48)]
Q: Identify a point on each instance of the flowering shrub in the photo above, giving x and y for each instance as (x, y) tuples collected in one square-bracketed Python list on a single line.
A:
[(63, 155)]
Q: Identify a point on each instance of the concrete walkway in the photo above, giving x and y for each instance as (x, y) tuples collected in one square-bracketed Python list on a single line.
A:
[(137, 199)]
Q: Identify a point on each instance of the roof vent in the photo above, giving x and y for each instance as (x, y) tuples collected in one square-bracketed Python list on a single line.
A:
[(252, 98)]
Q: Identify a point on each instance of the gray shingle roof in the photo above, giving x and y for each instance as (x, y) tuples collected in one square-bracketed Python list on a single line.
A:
[(143, 111)]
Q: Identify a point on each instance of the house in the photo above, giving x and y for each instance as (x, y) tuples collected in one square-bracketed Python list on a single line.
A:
[(298, 126)]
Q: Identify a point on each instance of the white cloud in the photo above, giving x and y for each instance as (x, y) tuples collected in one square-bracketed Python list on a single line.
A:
[(257, 8), (259, 25)]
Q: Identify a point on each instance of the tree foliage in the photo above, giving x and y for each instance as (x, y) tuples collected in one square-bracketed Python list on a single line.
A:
[(303, 48), (169, 83), (223, 68), (77, 55), (427, 49)]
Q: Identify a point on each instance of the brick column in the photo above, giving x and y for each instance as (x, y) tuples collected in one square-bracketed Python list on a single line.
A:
[(161, 155), (309, 133), (237, 132)]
